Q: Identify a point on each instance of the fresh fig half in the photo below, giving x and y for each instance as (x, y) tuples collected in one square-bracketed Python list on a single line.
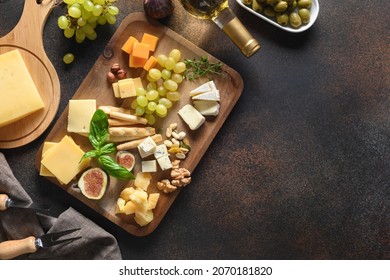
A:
[(125, 159), (93, 183)]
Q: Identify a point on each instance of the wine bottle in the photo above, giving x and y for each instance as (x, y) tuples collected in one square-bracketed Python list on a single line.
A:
[(219, 12)]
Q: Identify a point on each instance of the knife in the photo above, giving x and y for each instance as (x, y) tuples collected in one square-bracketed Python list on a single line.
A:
[(7, 202), (13, 248)]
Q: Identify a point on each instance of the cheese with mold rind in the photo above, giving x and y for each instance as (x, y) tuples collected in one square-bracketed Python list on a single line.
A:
[(191, 116), (209, 86)]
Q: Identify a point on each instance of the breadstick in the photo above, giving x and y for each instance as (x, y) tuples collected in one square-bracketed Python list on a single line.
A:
[(132, 131), (107, 109), (128, 117), (116, 122), (133, 144)]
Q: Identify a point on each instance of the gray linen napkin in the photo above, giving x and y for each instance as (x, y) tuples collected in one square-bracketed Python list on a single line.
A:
[(17, 223)]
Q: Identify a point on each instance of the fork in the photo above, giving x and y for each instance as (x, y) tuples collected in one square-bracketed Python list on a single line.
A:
[(13, 248)]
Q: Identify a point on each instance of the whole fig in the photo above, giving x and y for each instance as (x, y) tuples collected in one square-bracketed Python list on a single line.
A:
[(158, 9)]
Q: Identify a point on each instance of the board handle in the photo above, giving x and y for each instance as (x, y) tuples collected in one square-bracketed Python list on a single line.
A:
[(29, 29)]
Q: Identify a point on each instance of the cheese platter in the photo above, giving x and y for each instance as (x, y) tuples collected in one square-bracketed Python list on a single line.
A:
[(199, 131), (26, 39)]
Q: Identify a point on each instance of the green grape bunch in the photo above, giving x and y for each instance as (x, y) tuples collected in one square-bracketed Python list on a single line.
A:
[(162, 90), (83, 16)]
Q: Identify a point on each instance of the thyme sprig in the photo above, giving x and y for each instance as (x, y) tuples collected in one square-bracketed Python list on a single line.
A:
[(200, 67)]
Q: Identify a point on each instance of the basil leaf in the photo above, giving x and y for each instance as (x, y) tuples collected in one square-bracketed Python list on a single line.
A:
[(107, 149), (98, 131), (90, 154), (114, 169)]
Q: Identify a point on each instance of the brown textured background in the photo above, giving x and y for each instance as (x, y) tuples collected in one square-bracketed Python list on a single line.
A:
[(300, 169)]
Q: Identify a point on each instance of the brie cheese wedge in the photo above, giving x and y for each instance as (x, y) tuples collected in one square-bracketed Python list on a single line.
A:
[(209, 95), (191, 116), (209, 86), (207, 107)]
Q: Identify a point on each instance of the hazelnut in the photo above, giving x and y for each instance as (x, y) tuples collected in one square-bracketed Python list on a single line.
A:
[(115, 68), (110, 77), (121, 74)]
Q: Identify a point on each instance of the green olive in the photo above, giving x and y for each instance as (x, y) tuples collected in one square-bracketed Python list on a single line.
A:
[(292, 6), (304, 3), (305, 15), (281, 6), (282, 19), (269, 12), (295, 20), (289, 1), (256, 6)]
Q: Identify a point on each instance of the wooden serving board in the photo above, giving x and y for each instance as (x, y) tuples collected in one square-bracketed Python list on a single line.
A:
[(27, 38), (95, 86)]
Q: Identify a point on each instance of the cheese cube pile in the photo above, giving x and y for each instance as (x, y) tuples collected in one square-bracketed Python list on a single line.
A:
[(135, 200), (18, 93), (147, 148), (139, 51)]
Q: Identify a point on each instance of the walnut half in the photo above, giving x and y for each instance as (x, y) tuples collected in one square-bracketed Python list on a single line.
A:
[(180, 177)]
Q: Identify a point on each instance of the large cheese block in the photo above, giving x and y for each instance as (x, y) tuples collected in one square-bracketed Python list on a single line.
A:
[(63, 160), (18, 93)]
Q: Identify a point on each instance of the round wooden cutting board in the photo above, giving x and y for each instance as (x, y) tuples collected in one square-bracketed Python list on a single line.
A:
[(27, 38)]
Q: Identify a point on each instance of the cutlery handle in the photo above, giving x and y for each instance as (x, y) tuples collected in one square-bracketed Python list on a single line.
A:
[(13, 248), (3, 201)]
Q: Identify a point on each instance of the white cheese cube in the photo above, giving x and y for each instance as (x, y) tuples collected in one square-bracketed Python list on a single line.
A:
[(209, 86), (206, 107), (210, 95), (160, 151), (165, 163), (149, 166), (147, 147), (191, 116)]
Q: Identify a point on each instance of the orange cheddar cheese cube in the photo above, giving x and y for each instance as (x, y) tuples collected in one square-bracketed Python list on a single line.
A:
[(150, 40), (141, 50), (128, 45), (137, 62), (152, 61)]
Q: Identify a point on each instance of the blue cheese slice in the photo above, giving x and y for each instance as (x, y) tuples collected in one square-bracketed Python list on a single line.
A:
[(191, 116), (164, 162), (207, 107), (209, 86), (160, 151), (209, 95), (147, 147)]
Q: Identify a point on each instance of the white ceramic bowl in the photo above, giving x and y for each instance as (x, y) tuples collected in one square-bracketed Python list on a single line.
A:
[(315, 8)]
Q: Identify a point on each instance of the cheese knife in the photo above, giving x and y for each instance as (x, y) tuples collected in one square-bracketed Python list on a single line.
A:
[(13, 248), (6, 202)]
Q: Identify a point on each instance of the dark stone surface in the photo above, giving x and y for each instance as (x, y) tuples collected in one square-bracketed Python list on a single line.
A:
[(301, 167)]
